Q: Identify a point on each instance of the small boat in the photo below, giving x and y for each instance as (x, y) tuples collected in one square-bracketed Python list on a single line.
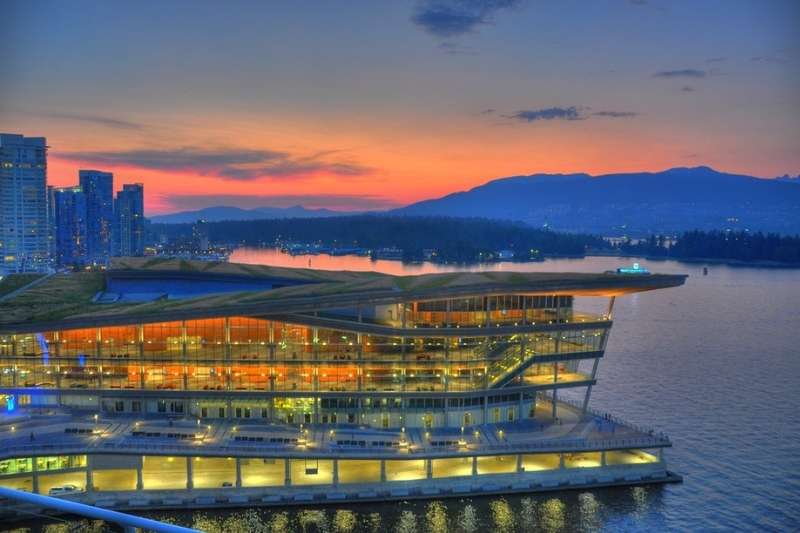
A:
[(635, 269)]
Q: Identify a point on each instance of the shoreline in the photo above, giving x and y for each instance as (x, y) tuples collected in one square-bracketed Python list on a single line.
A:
[(595, 253)]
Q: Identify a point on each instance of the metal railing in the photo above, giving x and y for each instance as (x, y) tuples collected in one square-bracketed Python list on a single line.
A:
[(129, 523), (611, 418)]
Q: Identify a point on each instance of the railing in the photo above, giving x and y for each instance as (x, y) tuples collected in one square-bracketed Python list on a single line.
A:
[(611, 418), (129, 523), (259, 449)]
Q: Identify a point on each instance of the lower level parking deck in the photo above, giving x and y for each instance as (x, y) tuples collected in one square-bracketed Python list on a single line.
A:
[(40, 451)]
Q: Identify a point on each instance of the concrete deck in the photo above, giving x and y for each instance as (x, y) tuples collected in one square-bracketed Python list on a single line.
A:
[(57, 431)]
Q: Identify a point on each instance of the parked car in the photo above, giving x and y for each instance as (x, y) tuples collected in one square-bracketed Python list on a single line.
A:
[(64, 489)]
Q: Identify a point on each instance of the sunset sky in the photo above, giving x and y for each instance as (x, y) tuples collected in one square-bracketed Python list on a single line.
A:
[(362, 105)]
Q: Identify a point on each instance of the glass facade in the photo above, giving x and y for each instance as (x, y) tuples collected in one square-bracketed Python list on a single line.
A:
[(109, 472), (415, 372)]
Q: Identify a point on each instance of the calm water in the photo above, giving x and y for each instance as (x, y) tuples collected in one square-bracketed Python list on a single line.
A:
[(715, 364)]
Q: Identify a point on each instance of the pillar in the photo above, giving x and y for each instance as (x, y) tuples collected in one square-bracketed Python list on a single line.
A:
[(519, 463), (140, 343), (184, 356), (555, 403), (238, 472), (474, 465), (287, 473), (335, 471), (561, 461), (89, 477), (189, 474), (139, 477), (428, 468), (383, 470), (35, 470)]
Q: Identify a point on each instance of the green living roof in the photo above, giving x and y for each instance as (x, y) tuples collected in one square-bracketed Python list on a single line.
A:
[(68, 300)]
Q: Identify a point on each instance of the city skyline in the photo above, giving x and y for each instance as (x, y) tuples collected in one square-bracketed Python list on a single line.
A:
[(370, 107)]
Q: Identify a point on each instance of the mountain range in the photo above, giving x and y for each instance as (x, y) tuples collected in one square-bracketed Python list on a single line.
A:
[(224, 212), (633, 203), (636, 203)]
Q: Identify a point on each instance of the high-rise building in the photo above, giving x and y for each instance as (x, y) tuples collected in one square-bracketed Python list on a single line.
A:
[(200, 239), (129, 212), (69, 208), (24, 232), (99, 190)]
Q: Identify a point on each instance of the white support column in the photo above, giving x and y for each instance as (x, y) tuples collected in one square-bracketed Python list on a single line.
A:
[(589, 388), (610, 306)]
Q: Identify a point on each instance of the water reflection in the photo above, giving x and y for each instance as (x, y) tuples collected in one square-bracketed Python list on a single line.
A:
[(436, 518), (551, 516), (468, 519), (503, 518)]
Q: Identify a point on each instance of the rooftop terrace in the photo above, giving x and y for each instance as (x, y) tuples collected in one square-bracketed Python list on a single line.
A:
[(73, 299)]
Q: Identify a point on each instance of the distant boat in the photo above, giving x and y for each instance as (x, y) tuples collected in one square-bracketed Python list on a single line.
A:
[(635, 269)]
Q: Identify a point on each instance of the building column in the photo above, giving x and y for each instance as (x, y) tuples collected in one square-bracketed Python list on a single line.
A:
[(555, 403), (474, 465), (139, 477), (287, 473), (189, 474), (89, 477), (97, 354), (140, 343), (519, 463), (561, 461), (184, 356), (335, 471), (602, 458), (383, 471), (610, 306), (238, 472), (428, 468), (35, 476), (589, 388)]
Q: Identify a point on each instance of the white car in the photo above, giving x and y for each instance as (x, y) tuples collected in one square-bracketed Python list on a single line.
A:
[(64, 489)]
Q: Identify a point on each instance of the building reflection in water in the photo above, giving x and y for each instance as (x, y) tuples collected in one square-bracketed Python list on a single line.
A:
[(552, 513)]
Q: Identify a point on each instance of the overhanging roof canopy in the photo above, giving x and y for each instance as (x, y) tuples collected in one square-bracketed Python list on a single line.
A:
[(68, 300)]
